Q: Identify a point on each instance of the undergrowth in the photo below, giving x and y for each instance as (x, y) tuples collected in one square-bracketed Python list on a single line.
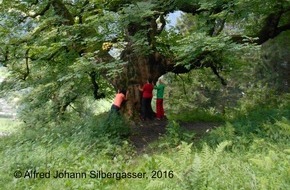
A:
[(247, 151), (197, 115)]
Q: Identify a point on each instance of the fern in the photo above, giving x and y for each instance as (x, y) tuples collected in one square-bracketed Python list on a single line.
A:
[(191, 171), (280, 131), (165, 162), (185, 150), (156, 184), (220, 148), (197, 175)]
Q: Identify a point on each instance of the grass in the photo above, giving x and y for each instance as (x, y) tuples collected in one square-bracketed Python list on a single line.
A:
[(198, 116), (8, 125), (230, 157)]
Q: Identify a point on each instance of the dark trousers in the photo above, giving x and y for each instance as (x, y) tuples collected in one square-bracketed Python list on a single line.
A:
[(146, 109), (115, 110)]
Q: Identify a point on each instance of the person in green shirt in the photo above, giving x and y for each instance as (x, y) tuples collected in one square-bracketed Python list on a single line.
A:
[(159, 101)]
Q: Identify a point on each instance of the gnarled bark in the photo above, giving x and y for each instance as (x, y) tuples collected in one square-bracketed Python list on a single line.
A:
[(138, 70)]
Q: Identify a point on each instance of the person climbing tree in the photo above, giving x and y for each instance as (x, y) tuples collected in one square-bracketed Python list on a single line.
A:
[(147, 94), (159, 100)]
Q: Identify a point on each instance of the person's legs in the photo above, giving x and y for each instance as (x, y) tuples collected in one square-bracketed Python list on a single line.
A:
[(143, 108), (146, 108), (159, 108), (115, 108), (114, 111), (151, 113)]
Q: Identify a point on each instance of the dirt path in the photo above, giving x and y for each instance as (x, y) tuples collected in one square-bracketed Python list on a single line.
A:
[(146, 132)]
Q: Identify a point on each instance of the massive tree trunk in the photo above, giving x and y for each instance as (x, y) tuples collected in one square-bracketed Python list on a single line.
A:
[(152, 65), (136, 72)]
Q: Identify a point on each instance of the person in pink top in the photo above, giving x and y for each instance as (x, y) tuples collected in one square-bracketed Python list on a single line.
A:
[(120, 97), (146, 108)]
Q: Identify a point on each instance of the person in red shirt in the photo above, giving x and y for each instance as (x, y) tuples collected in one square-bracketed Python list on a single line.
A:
[(146, 109)]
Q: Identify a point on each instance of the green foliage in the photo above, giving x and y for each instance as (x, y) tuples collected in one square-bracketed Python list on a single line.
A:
[(220, 134), (197, 175), (136, 12), (275, 55), (175, 134), (233, 156), (263, 122), (113, 126), (50, 59), (192, 46), (254, 20), (69, 147), (280, 131), (206, 115), (141, 45), (52, 53), (8, 126)]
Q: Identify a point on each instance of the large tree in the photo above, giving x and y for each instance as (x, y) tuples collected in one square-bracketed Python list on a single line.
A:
[(64, 50)]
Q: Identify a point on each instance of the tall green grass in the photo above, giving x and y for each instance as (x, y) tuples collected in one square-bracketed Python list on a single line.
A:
[(8, 126), (197, 115), (249, 151)]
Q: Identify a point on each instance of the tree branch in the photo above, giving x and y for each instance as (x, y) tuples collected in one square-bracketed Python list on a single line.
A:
[(63, 107), (199, 62), (62, 11), (163, 24), (283, 28), (95, 86), (270, 30), (219, 26)]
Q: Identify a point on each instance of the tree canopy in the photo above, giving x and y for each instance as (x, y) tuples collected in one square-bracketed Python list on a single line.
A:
[(61, 51)]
